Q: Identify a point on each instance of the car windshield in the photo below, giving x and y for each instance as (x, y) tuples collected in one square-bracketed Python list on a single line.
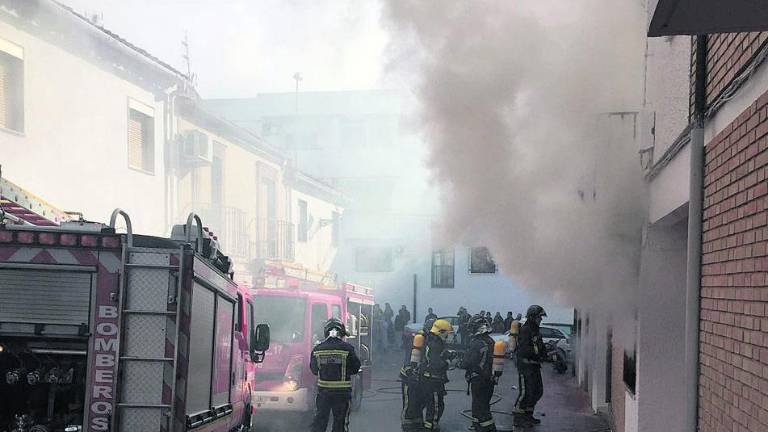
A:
[(285, 316), (565, 328)]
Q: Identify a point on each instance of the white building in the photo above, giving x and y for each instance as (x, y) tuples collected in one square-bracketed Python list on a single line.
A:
[(84, 115)]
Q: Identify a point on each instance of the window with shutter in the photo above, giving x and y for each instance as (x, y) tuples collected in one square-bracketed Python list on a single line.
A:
[(141, 144), (11, 90)]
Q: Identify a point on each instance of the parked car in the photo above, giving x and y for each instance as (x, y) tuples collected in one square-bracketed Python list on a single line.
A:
[(549, 334)]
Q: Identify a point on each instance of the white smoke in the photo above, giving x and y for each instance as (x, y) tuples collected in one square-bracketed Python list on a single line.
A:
[(515, 100)]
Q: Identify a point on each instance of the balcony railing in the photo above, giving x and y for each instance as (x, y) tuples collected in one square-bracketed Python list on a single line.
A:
[(249, 239), (274, 240)]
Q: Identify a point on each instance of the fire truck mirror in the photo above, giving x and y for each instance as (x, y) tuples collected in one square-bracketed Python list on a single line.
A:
[(260, 339)]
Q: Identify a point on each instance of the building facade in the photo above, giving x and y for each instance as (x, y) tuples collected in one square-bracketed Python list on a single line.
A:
[(121, 128), (699, 356), (95, 137), (360, 143)]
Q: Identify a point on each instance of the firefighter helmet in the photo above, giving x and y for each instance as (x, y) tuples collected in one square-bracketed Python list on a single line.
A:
[(334, 324), (480, 324), (535, 311), (442, 328)]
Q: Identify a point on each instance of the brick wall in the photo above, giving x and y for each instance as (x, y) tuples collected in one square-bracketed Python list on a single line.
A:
[(733, 391), (727, 55)]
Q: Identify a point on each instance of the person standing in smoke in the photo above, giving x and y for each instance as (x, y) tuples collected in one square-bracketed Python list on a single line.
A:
[(434, 373), (389, 326), (430, 315), (464, 330), (508, 321), (498, 323), (334, 362), (530, 353), (478, 362)]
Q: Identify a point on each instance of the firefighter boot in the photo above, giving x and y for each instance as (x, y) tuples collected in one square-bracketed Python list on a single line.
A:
[(522, 420)]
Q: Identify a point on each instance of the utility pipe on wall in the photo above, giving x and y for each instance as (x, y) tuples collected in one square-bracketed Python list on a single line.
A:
[(693, 274)]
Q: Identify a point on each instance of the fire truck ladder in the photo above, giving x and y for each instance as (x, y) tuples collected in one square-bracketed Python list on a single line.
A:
[(149, 316)]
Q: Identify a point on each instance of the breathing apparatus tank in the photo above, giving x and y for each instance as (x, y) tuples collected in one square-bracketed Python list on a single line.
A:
[(514, 332), (499, 354), (418, 347)]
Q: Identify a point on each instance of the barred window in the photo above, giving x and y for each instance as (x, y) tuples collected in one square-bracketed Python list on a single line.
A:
[(443, 263)]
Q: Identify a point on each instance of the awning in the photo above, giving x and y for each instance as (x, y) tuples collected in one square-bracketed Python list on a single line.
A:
[(688, 17)]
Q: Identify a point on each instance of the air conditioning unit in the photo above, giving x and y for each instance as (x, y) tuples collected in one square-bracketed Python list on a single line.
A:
[(197, 147)]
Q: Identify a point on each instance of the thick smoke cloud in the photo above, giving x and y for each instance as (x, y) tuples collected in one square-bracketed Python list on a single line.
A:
[(519, 105)]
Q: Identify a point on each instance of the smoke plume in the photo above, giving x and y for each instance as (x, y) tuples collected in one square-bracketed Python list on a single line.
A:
[(528, 108)]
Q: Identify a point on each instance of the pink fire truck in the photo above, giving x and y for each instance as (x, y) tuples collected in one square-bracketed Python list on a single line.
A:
[(296, 303), (101, 331)]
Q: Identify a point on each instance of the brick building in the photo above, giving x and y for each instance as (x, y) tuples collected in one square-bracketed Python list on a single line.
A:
[(733, 382), (697, 358)]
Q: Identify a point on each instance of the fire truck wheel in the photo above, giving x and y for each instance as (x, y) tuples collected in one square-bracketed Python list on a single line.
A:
[(357, 393)]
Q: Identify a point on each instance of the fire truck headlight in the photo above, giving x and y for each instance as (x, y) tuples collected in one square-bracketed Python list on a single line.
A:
[(2, 348), (13, 376), (33, 378), (73, 428)]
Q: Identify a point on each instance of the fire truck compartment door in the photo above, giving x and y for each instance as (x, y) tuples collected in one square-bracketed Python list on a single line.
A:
[(49, 297)]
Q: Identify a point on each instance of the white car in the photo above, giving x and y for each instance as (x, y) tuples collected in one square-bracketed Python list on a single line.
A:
[(548, 334)]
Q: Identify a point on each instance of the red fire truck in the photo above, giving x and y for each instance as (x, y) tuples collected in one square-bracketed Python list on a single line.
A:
[(296, 303), (101, 331)]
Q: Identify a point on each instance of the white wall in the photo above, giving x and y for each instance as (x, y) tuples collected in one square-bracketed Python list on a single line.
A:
[(318, 252), (73, 151), (661, 354)]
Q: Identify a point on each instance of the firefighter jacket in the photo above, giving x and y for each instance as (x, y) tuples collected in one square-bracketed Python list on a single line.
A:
[(530, 346), (334, 362), (478, 361), (435, 365)]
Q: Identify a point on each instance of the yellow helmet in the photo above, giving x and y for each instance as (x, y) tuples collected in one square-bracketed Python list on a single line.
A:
[(442, 328)]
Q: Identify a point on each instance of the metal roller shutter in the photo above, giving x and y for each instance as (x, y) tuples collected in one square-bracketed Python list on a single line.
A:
[(45, 297)]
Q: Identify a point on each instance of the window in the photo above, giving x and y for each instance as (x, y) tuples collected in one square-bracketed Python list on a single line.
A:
[(141, 136), (285, 316), (251, 325), (336, 311), (442, 268), (373, 259), (335, 230), (480, 261), (319, 318), (11, 86), (217, 182), (303, 221), (550, 333)]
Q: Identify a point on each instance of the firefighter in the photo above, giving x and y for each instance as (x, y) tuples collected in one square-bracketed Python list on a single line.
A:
[(412, 418), (334, 362), (478, 363), (530, 353), (434, 373)]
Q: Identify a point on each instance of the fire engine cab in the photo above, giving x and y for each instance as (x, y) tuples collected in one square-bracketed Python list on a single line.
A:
[(296, 303)]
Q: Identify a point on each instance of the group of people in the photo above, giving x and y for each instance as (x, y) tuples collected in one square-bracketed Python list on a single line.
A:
[(389, 324), (424, 375)]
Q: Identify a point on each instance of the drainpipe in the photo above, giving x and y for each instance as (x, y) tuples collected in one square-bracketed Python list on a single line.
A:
[(696, 198)]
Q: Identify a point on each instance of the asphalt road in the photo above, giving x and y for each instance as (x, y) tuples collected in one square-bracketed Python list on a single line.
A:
[(563, 409)]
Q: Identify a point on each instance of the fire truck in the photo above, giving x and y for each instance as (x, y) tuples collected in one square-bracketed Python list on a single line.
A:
[(108, 331), (296, 303)]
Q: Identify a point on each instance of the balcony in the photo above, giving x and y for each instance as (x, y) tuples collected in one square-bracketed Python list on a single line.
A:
[(246, 238), (274, 240)]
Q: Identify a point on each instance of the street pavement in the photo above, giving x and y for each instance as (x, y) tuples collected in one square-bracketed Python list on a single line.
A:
[(564, 407)]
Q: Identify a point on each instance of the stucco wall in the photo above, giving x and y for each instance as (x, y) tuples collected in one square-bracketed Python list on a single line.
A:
[(73, 151)]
